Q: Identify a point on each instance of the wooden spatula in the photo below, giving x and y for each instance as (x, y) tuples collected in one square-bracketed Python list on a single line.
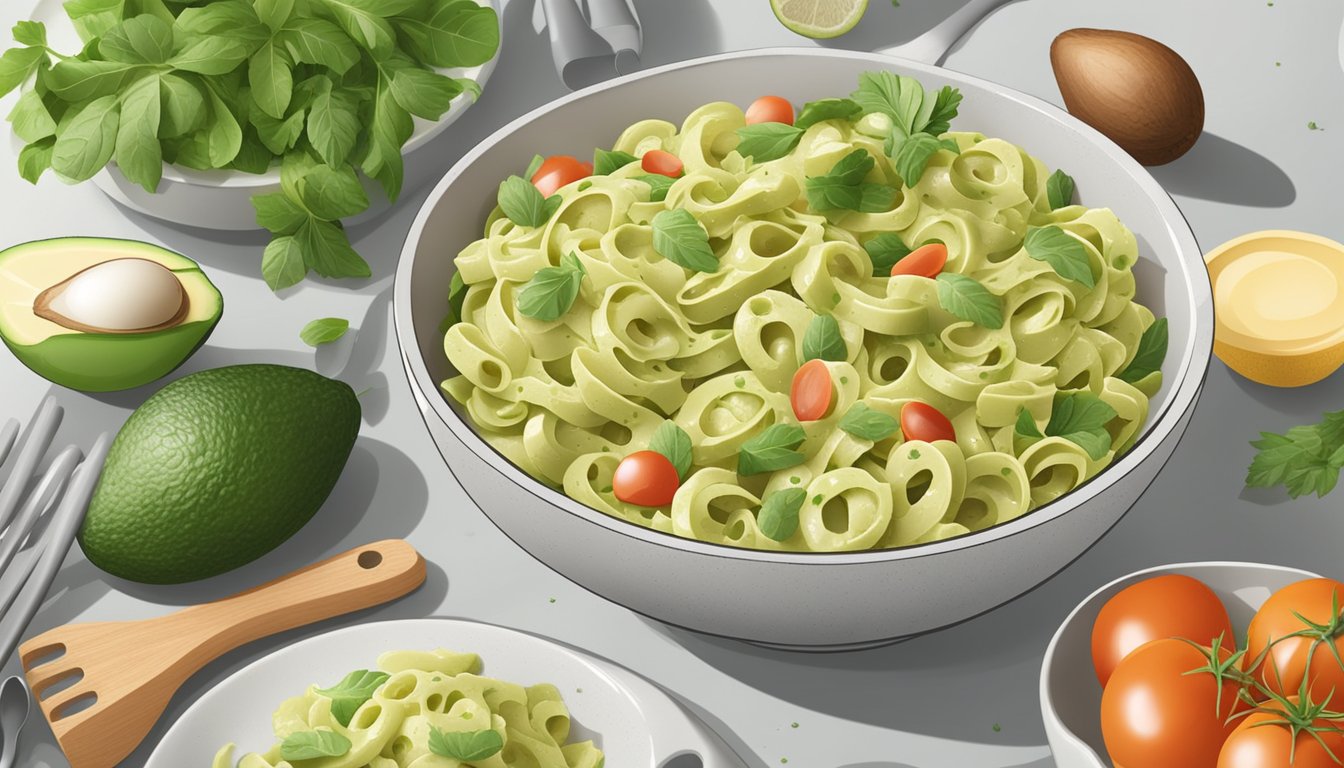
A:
[(129, 670)]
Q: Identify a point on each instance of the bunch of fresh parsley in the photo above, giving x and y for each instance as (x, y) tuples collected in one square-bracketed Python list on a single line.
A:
[(327, 88), (1304, 460)]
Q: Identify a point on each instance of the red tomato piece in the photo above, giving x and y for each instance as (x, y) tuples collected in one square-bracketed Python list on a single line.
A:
[(812, 391), (1263, 740), (770, 109), (646, 478), (1157, 713), (1153, 609), (925, 261), (1320, 602), (662, 162), (920, 421), (557, 171)]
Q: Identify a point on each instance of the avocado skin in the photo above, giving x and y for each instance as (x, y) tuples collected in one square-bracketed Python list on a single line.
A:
[(217, 469)]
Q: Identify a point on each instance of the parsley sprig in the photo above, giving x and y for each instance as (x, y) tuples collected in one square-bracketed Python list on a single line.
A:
[(918, 118), (1305, 459)]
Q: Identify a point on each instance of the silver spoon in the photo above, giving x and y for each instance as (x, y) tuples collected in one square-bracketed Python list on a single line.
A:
[(14, 704)]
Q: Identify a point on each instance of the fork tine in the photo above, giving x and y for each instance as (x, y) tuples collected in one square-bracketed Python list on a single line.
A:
[(36, 440), (7, 435), (38, 503)]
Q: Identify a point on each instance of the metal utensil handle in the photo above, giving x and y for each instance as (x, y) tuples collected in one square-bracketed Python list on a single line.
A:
[(35, 442), (42, 498), (933, 46), (8, 433)]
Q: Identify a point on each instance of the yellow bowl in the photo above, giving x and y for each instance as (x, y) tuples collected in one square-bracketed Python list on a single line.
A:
[(1279, 301)]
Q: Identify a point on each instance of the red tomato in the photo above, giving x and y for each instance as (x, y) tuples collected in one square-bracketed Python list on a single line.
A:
[(1154, 714), (1262, 740), (812, 390), (559, 170), (770, 109), (924, 261), (1153, 609), (920, 421), (1320, 602), (646, 478), (662, 162)]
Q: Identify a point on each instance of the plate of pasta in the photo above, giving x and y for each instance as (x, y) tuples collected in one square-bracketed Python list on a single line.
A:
[(816, 344), (409, 693)]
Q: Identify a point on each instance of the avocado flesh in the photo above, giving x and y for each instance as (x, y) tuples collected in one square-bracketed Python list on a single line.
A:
[(84, 358)]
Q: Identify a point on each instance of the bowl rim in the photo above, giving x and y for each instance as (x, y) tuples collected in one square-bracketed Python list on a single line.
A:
[(1186, 380), (1048, 710)]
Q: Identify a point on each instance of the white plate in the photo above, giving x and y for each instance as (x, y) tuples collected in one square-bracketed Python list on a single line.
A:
[(223, 199), (1070, 695), (635, 723)]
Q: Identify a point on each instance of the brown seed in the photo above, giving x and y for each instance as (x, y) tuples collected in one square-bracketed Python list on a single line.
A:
[(1137, 91)]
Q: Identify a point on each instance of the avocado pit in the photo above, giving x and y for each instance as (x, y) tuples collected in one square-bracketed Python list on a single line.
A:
[(127, 295)]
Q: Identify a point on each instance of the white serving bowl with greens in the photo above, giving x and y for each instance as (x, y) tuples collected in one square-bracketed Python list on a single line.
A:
[(222, 199), (800, 600)]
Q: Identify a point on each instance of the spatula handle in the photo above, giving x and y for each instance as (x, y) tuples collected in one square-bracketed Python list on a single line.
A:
[(361, 578)]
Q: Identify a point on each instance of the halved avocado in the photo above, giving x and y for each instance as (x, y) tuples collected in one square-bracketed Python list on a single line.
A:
[(99, 315)]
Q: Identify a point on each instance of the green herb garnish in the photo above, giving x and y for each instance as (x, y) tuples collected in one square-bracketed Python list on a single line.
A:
[(606, 162), (969, 299), (524, 204), (1080, 418), (827, 109), (1305, 459), (884, 251), (310, 745), (865, 423), (1059, 190), (1065, 253), (764, 142), (778, 518), (823, 340), (844, 188), (658, 185), (772, 450), (351, 692), (552, 290), (465, 746), (1150, 354), (911, 155), (324, 331), (457, 297), (903, 100), (672, 441), (680, 239)]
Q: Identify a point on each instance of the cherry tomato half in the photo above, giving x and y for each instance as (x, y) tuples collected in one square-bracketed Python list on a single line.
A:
[(1319, 601), (646, 478), (920, 421), (770, 109), (1155, 713), (559, 170), (1163, 606), (924, 261), (1262, 740), (662, 162), (812, 391)]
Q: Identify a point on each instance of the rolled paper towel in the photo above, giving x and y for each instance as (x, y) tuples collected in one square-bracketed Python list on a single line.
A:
[(590, 50)]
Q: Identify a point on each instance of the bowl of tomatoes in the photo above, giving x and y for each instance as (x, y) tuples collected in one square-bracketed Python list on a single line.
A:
[(1200, 665)]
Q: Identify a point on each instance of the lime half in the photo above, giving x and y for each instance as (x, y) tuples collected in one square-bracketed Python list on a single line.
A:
[(819, 18)]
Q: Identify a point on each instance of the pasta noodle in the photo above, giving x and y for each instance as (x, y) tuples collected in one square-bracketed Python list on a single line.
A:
[(648, 341), (428, 710)]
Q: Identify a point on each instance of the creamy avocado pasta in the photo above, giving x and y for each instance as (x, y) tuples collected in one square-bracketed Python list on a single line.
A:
[(854, 329), (422, 710)]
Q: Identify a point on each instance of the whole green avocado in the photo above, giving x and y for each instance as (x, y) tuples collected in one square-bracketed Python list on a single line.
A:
[(217, 469)]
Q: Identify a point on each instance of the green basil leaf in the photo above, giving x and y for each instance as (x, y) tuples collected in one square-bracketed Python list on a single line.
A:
[(364, 25), (465, 746), (354, 689), (235, 20), (851, 169), (182, 106), (327, 250), (1026, 425), (87, 142), (524, 205), (143, 39), (35, 159), (283, 264), (827, 109), (1065, 253), (31, 119), (945, 104), (325, 330), (895, 96), (969, 300), (1150, 354), (310, 745), (451, 34), (868, 424), (280, 136), (764, 142), (30, 33), (680, 239), (672, 441), (392, 126), (823, 341), (534, 166), (843, 187), (332, 193), (552, 291), (606, 162), (253, 156), (1059, 189), (271, 77), (913, 154), (139, 155), (424, 93), (93, 18), (457, 297), (224, 135), (1081, 418), (319, 42), (772, 450), (274, 13), (17, 64), (778, 517), (75, 80), (1096, 442), (884, 251), (213, 55), (658, 185), (333, 124), (278, 214)]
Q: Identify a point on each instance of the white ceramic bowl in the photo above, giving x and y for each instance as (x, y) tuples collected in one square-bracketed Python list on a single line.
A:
[(1070, 694), (629, 718), (817, 601), (223, 199)]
